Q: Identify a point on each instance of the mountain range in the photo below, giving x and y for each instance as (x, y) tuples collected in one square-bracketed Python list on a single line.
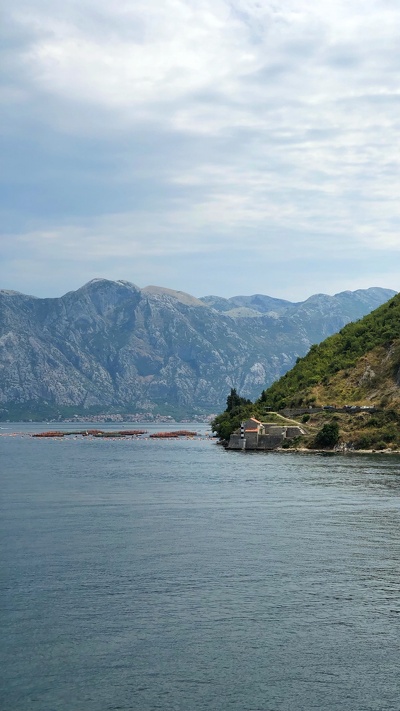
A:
[(349, 384), (112, 346)]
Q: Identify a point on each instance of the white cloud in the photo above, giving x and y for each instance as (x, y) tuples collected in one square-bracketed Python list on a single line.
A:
[(283, 120), (137, 54)]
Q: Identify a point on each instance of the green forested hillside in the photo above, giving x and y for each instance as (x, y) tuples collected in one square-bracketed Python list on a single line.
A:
[(359, 366), (376, 337)]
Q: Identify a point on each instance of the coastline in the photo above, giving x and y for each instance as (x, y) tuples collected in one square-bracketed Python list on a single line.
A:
[(305, 450)]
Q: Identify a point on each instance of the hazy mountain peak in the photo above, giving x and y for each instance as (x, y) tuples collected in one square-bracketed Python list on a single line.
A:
[(181, 296), (10, 292), (109, 283)]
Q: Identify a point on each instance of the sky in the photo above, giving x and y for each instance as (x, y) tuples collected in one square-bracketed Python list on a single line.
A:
[(210, 146)]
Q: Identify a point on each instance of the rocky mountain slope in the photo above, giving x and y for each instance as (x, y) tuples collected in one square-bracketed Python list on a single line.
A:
[(111, 345)]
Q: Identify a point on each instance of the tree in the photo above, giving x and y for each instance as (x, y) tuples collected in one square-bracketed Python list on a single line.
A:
[(328, 436), (237, 409), (234, 400)]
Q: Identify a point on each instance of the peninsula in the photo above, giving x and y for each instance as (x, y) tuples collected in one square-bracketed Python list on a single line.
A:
[(344, 394)]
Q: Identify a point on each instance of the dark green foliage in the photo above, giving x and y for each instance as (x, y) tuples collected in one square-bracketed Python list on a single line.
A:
[(381, 428), (292, 443), (237, 409), (223, 425), (327, 436), (234, 401), (364, 442), (370, 441), (226, 423), (389, 418), (389, 434), (339, 352)]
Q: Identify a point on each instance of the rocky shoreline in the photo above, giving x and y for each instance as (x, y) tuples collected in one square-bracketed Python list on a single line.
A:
[(339, 450)]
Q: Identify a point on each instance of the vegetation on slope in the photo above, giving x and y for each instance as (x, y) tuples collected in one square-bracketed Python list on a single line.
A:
[(340, 365), (360, 365), (360, 430)]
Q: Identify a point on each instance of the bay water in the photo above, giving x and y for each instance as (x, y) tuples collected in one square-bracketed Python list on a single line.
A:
[(145, 574)]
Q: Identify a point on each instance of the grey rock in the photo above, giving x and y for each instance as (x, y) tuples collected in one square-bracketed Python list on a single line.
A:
[(114, 345)]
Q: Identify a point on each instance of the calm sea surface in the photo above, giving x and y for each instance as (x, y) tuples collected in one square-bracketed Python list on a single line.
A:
[(173, 575)]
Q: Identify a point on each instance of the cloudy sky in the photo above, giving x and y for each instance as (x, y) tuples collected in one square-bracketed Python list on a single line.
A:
[(212, 146)]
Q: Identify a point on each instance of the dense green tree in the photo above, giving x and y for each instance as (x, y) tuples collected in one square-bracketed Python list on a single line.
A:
[(327, 436), (237, 409), (233, 400)]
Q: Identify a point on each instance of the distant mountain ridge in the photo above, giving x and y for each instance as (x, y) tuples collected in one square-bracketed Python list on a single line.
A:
[(112, 345)]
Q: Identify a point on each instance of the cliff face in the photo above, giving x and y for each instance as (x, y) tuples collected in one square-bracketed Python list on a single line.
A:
[(111, 344)]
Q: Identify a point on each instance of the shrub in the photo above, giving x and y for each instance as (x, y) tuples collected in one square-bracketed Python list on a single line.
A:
[(388, 433), (328, 436), (380, 445), (293, 442), (364, 442)]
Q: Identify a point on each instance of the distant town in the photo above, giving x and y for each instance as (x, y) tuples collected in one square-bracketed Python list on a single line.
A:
[(135, 417)]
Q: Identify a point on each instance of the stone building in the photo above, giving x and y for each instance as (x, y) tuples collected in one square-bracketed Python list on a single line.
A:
[(256, 435)]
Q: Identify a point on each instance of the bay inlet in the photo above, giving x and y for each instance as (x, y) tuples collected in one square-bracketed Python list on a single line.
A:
[(144, 573)]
